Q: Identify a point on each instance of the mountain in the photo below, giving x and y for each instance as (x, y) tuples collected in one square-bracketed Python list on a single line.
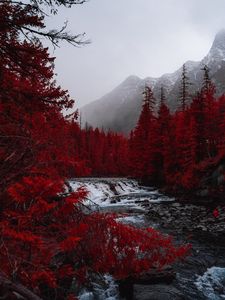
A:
[(119, 110)]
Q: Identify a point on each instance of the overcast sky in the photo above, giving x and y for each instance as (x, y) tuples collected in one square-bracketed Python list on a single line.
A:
[(132, 37)]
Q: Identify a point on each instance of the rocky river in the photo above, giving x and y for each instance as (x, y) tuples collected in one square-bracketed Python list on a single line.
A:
[(200, 276)]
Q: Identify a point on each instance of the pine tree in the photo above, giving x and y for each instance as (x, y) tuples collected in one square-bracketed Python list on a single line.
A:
[(207, 83), (47, 241), (208, 95), (162, 96), (221, 125), (184, 88), (149, 99), (140, 151), (164, 140)]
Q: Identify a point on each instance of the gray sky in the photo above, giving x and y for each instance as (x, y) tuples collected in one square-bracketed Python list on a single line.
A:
[(132, 37)]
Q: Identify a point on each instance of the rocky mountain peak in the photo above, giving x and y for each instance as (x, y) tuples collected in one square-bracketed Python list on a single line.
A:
[(216, 54), (132, 79), (219, 41), (217, 51), (119, 110)]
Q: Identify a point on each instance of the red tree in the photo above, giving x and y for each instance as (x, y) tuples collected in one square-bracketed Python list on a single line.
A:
[(46, 238), (143, 141), (165, 148)]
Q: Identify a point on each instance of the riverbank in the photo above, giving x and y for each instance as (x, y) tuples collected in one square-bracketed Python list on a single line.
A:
[(188, 218), (200, 276)]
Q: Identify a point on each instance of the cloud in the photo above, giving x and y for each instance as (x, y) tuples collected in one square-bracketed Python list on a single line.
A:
[(141, 37)]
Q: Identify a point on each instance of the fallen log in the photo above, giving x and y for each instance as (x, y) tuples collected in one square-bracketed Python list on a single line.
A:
[(14, 287)]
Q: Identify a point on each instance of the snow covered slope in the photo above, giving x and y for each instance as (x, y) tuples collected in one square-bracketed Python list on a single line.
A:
[(119, 109)]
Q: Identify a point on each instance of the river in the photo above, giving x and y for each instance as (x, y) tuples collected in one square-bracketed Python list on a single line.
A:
[(201, 275)]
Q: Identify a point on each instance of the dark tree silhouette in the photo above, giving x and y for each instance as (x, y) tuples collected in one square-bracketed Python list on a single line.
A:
[(207, 83), (162, 96), (36, 12), (184, 88), (183, 149), (47, 239)]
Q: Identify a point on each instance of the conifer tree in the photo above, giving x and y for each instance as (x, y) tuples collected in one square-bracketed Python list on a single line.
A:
[(183, 149), (221, 125), (198, 129), (208, 95), (140, 151), (162, 96), (164, 139), (47, 241), (184, 88), (207, 83)]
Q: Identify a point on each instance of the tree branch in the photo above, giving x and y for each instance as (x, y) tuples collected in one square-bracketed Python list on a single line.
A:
[(59, 35)]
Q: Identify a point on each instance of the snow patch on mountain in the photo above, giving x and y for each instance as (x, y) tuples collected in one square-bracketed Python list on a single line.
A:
[(119, 110)]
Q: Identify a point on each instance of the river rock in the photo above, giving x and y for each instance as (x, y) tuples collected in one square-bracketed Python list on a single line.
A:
[(156, 292), (152, 277), (188, 217), (155, 276)]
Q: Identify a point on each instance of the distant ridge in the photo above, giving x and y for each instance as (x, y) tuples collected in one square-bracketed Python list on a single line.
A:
[(119, 109)]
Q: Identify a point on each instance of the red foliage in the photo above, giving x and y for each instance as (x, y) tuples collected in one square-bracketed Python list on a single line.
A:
[(183, 149), (46, 238), (216, 213), (105, 153), (144, 140)]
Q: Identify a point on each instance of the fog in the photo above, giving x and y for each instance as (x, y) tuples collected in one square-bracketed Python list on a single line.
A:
[(132, 37)]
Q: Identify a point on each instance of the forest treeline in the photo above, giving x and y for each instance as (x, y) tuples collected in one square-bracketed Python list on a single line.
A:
[(50, 245), (181, 151), (184, 150)]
